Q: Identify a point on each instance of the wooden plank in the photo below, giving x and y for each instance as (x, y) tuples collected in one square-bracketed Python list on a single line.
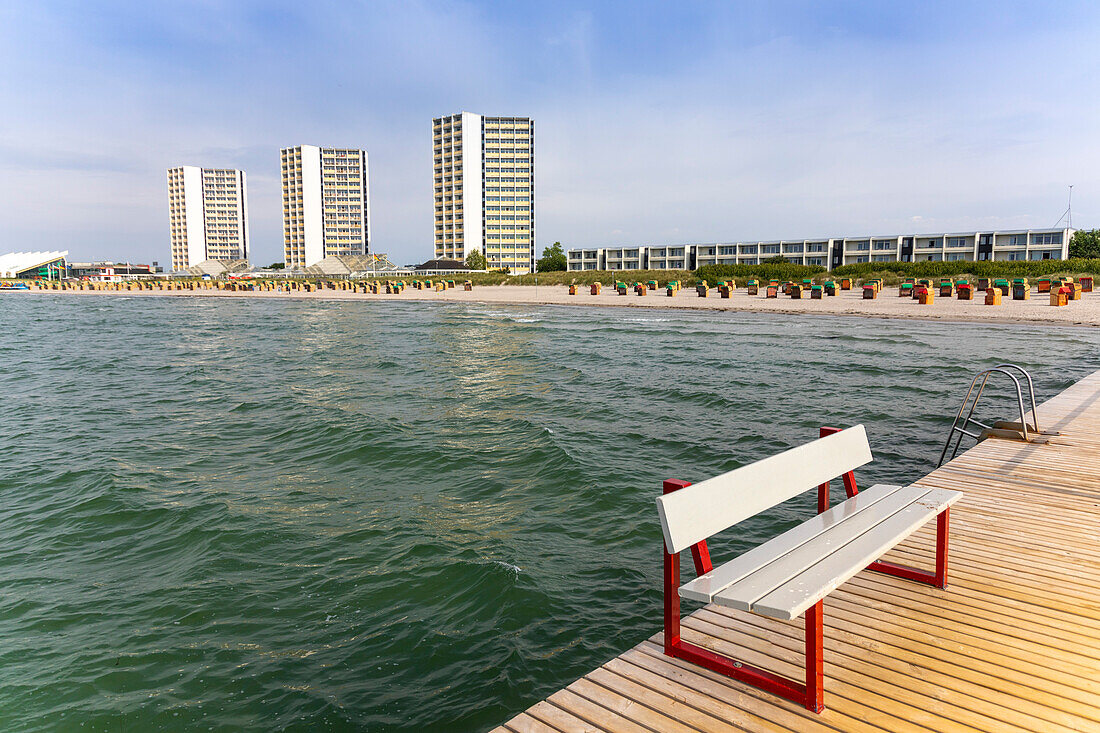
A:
[(597, 715), (707, 695), (626, 706), (856, 716), (561, 720), (975, 612), (914, 687), (936, 642), (903, 698), (706, 586), (524, 723), (785, 589), (981, 690), (685, 717), (692, 514)]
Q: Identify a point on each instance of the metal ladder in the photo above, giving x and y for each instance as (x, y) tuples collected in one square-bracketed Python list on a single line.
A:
[(1000, 429)]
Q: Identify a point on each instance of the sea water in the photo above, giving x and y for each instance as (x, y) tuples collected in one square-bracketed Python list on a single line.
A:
[(248, 513)]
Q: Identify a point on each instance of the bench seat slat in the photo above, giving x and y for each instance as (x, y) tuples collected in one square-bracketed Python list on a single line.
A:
[(793, 597), (747, 591), (706, 586)]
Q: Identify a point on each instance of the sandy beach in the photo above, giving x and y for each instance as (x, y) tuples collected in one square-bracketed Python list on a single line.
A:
[(1083, 312)]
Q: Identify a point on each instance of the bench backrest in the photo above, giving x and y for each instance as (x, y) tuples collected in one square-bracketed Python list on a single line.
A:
[(696, 512)]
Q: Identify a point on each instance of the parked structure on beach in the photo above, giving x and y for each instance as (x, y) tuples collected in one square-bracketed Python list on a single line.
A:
[(208, 215), (353, 265), (485, 189), (326, 204), (31, 265), (830, 252)]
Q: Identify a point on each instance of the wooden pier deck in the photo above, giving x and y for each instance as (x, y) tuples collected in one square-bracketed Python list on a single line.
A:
[(1013, 644)]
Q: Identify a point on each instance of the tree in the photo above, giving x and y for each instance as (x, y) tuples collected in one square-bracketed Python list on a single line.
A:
[(276, 266), (777, 260), (1085, 243), (552, 260), (475, 260)]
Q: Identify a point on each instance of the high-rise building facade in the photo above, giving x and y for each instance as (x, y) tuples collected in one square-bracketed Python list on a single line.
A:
[(326, 204), (208, 215), (485, 189)]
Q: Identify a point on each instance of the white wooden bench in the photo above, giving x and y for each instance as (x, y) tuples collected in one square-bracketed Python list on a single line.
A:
[(790, 574)]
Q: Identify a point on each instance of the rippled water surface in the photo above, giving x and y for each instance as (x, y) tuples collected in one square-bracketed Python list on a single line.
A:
[(397, 516)]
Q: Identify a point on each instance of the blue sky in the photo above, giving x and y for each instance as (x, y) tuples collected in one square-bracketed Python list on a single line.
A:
[(655, 122)]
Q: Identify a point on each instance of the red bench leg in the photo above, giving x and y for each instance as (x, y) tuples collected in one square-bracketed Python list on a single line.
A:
[(936, 578), (810, 695), (943, 525), (815, 666)]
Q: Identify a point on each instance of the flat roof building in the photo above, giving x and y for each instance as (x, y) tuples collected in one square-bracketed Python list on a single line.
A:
[(831, 252), (208, 215), (326, 204), (112, 271), (485, 189)]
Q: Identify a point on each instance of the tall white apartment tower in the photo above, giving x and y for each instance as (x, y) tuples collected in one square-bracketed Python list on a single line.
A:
[(485, 189), (326, 204), (208, 214)]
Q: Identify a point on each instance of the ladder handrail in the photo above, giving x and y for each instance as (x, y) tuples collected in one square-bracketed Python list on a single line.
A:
[(984, 376), (1031, 391)]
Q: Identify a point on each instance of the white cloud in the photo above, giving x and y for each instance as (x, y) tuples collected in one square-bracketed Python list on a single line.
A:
[(649, 128)]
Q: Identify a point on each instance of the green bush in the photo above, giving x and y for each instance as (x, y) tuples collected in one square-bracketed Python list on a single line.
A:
[(770, 271), (587, 277), (1085, 243), (552, 260), (583, 277), (983, 268), (475, 260)]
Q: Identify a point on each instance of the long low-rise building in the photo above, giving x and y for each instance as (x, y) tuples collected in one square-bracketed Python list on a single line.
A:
[(831, 252)]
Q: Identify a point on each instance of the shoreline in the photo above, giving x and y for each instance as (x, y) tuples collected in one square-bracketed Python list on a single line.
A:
[(1083, 313)]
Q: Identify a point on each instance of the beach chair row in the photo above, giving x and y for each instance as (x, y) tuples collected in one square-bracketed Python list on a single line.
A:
[(1062, 290)]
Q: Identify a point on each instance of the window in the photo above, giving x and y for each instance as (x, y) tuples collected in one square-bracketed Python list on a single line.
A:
[(815, 247), (1047, 238), (885, 244), (769, 249), (957, 242), (748, 249), (861, 244), (954, 257), (882, 258), (861, 258)]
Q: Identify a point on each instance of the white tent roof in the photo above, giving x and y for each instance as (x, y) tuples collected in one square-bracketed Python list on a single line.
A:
[(14, 262)]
